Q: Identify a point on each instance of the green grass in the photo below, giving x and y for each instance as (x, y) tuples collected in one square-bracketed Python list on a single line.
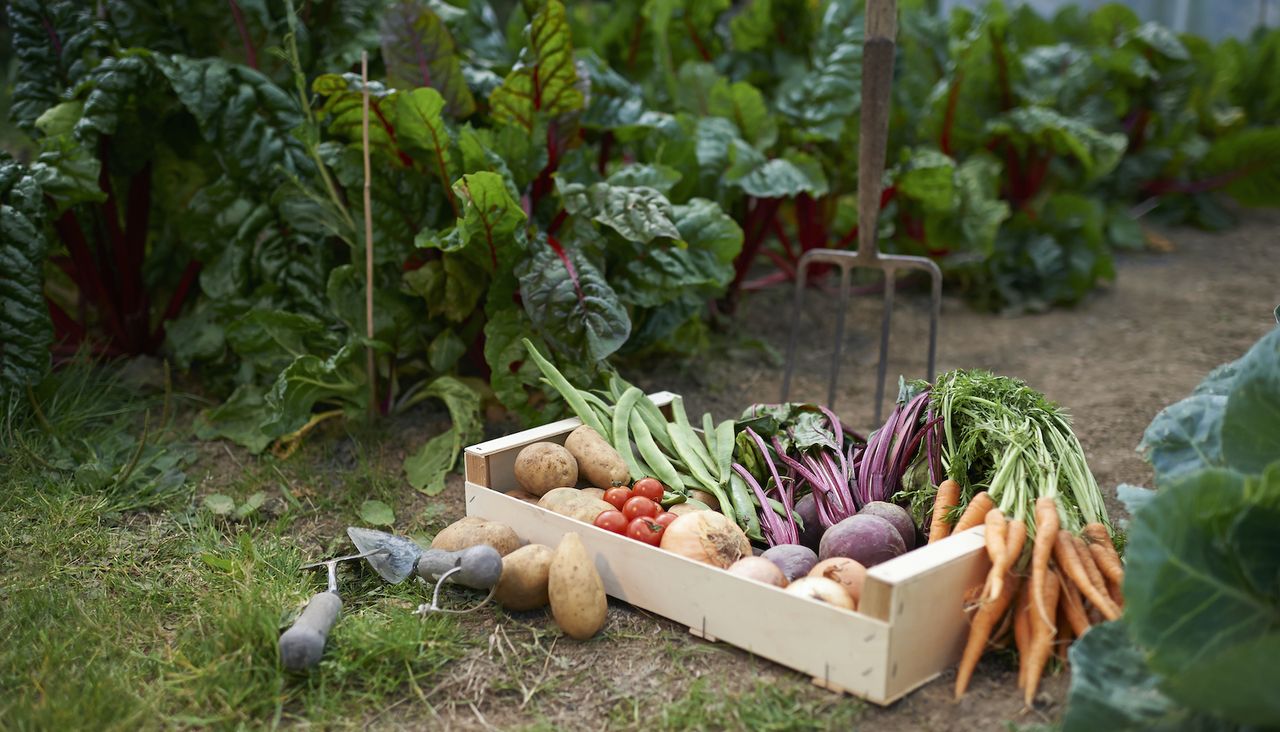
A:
[(764, 708), (117, 618)]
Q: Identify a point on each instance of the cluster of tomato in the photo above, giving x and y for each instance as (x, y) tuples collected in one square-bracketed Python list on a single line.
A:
[(636, 511)]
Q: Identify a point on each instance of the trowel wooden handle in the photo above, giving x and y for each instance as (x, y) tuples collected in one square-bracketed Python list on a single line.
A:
[(302, 644), (873, 140)]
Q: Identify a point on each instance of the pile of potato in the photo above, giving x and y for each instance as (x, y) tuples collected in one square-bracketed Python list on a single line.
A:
[(534, 575), (548, 474)]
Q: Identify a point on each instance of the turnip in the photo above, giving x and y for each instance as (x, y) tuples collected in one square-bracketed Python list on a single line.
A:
[(896, 515), (868, 540), (794, 560)]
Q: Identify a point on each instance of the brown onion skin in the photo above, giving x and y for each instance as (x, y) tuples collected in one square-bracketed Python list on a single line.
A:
[(849, 573), (822, 590), (707, 537), (759, 569)]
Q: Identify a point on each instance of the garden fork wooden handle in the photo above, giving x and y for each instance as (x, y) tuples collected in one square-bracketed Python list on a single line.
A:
[(873, 132)]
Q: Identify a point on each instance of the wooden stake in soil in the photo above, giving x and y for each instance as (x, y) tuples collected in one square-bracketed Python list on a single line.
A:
[(368, 236)]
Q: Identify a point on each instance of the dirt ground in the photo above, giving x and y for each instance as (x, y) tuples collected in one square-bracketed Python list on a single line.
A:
[(1133, 347)]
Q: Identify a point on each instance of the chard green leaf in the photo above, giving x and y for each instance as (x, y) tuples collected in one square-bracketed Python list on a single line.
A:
[(239, 419), (247, 119), (509, 364), (661, 178), (639, 214), (55, 44), (392, 315), (445, 350), (744, 105), (25, 328), (427, 468), (704, 225), (822, 101), (309, 380), (490, 215), (419, 52), (569, 301), (272, 339), (613, 100), (1250, 161), (343, 113), (1096, 152), (545, 80), (752, 26), (784, 177), (376, 513), (695, 81), (1203, 591), (421, 126), (928, 176)]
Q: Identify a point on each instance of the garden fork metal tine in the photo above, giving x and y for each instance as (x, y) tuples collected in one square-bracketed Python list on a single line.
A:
[(877, 83)]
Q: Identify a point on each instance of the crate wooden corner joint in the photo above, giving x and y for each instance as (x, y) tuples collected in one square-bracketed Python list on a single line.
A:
[(910, 625)]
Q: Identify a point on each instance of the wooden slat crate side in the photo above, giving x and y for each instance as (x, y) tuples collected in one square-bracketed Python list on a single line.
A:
[(842, 649), (926, 614)]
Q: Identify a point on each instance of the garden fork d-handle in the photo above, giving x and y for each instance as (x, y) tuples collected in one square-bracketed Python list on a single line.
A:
[(873, 139), (303, 643)]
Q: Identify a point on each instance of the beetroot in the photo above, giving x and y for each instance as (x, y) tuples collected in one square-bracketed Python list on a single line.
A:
[(807, 508), (794, 560), (896, 515), (866, 539)]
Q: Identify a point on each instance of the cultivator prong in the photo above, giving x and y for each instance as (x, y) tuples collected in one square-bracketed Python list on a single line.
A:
[(877, 83)]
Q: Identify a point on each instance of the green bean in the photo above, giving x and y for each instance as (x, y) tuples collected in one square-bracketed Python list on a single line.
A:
[(691, 461), (621, 431), (599, 404), (656, 422), (567, 390), (662, 467), (709, 433), (692, 443), (743, 506), (724, 448)]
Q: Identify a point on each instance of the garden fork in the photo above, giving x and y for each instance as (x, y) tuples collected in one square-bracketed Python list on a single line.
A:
[(877, 85)]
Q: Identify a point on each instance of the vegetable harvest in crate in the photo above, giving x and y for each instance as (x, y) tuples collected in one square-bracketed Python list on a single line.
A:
[(822, 504)]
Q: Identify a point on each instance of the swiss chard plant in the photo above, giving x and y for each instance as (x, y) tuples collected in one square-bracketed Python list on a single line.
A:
[(1196, 646)]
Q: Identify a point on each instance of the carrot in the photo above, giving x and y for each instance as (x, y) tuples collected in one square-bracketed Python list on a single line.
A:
[(984, 620), (1076, 568), (1041, 550), (975, 513), (1100, 545), (995, 531), (1043, 631), (1072, 606), (1022, 631), (947, 497), (1064, 637)]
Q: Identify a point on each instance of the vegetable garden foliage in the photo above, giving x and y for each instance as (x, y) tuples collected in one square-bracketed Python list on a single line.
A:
[(1197, 644), (1019, 141), (589, 174)]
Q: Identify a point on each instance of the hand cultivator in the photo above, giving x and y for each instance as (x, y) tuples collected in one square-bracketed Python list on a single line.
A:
[(394, 558), (877, 83)]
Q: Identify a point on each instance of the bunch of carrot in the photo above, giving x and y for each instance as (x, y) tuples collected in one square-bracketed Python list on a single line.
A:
[(1049, 595)]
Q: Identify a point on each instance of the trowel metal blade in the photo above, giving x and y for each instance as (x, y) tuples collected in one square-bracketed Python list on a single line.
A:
[(396, 557)]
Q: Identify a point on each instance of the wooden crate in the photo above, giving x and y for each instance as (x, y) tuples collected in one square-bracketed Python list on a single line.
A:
[(910, 625)]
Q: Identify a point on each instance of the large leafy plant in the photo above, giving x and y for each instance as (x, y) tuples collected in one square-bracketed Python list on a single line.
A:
[(1196, 646)]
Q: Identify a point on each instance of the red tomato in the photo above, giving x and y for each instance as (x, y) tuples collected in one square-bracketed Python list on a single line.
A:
[(612, 521), (639, 506), (646, 530), (617, 496), (649, 488), (665, 519)]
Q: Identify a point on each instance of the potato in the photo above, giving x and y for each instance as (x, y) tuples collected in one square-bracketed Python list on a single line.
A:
[(543, 466), (573, 503), (523, 495), (593, 492), (470, 531), (578, 602), (524, 578), (598, 462)]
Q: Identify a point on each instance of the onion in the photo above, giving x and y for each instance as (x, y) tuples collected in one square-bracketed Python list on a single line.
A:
[(847, 572), (760, 570), (681, 509), (794, 560), (707, 537), (822, 590)]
